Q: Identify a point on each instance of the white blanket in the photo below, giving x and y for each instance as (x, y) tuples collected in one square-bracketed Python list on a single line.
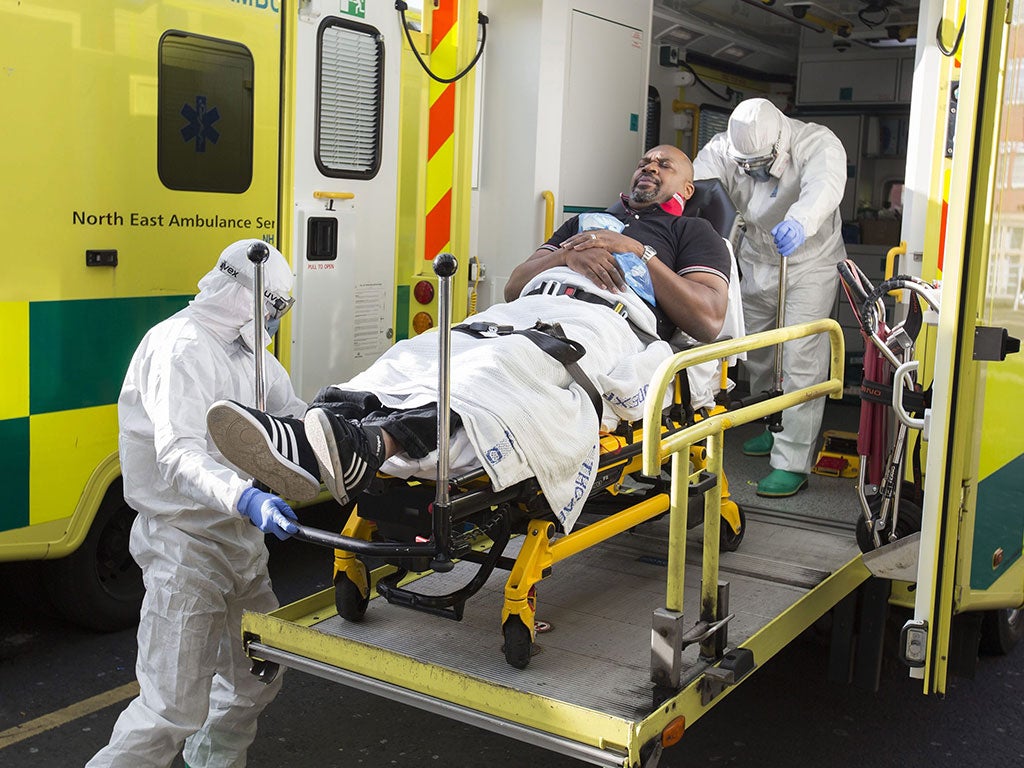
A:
[(524, 416)]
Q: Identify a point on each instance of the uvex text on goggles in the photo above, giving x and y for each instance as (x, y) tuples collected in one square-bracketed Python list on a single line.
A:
[(275, 305)]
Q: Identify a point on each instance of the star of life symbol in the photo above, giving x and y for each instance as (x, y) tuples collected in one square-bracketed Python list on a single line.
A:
[(200, 123)]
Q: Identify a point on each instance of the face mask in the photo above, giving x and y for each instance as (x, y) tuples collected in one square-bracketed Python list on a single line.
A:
[(758, 168), (272, 325), (759, 174)]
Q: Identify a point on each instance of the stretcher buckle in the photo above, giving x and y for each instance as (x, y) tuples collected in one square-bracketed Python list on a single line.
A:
[(484, 328)]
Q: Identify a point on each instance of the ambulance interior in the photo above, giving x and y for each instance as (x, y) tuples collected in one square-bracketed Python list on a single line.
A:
[(845, 64)]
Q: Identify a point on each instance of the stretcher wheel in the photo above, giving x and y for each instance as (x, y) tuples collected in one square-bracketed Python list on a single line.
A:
[(349, 599), (518, 642), (909, 522), (729, 540)]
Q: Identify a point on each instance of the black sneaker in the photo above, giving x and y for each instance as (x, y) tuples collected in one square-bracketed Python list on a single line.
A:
[(349, 455), (272, 449)]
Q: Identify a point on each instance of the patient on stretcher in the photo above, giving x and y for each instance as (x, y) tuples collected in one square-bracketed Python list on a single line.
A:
[(533, 380)]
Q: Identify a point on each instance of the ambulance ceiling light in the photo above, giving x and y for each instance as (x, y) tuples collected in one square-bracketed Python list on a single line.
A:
[(714, 30), (679, 35), (732, 52)]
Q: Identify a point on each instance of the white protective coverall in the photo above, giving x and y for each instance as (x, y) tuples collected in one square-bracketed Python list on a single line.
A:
[(807, 182), (202, 561)]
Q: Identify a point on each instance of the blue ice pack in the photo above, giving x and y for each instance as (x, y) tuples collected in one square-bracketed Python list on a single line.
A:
[(638, 277)]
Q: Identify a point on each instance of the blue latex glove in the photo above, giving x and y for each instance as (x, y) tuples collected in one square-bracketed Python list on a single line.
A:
[(267, 512), (789, 235)]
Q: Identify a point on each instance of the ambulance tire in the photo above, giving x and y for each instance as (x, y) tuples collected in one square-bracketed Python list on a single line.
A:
[(349, 600), (1001, 631), (729, 540), (99, 585), (518, 645)]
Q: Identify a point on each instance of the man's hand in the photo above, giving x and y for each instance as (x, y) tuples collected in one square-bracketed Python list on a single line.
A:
[(591, 254), (609, 240), (267, 512), (789, 235)]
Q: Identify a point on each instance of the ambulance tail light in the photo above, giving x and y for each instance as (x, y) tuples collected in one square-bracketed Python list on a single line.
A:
[(423, 292)]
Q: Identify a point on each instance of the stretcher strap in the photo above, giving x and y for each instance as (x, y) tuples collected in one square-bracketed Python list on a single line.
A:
[(550, 338), (558, 288)]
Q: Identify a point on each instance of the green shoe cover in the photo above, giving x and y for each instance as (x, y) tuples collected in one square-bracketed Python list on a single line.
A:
[(760, 445), (781, 482)]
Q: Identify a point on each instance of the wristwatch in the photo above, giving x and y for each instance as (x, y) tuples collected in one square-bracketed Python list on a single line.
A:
[(648, 254)]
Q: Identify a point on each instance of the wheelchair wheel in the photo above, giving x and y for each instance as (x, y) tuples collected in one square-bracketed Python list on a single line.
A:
[(518, 645), (729, 540), (348, 598), (909, 522)]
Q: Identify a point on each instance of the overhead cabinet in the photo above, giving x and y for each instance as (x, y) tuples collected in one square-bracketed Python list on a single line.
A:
[(855, 81)]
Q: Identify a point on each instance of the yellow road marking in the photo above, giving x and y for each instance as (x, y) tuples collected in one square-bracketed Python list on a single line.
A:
[(66, 715)]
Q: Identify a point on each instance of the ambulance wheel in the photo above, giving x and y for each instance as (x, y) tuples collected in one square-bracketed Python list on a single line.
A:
[(909, 522), (99, 585), (348, 598), (728, 539), (518, 642), (1001, 631)]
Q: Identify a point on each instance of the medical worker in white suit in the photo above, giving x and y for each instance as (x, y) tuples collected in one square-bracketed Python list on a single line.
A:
[(787, 178), (199, 534)]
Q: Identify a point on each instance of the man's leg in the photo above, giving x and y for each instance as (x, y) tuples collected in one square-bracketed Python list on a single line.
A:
[(414, 430), (237, 696), (760, 291), (810, 296), (181, 611), (350, 452)]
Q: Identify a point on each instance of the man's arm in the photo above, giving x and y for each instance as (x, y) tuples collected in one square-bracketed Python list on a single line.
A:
[(694, 302), (822, 160), (588, 253)]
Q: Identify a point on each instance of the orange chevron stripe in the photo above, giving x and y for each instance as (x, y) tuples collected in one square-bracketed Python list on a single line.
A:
[(438, 227), (442, 120), (442, 20)]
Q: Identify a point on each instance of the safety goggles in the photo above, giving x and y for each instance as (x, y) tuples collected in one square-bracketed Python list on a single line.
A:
[(755, 165), (277, 306)]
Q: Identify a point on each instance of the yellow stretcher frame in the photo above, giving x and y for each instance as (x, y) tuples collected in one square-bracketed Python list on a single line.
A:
[(289, 635)]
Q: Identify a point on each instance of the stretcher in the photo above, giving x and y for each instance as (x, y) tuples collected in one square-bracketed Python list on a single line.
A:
[(419, 525), (398, 522)]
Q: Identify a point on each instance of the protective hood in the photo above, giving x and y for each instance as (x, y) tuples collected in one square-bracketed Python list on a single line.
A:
[(225, 301), (757, 129)]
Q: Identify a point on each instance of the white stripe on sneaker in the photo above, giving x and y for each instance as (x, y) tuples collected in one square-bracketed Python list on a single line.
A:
[(349, 482), (291, 447), (275, 434)]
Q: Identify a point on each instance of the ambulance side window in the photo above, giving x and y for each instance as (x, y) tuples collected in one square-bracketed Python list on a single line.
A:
[(349, 99), (204, 114)]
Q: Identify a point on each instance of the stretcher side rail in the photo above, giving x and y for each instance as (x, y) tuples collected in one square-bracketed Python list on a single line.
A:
[(668, 634)]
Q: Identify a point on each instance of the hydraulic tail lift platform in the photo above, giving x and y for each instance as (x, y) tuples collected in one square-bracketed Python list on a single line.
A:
[(587, 691)]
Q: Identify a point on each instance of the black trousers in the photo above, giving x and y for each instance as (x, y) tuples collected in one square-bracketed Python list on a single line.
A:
[(414, 429)]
